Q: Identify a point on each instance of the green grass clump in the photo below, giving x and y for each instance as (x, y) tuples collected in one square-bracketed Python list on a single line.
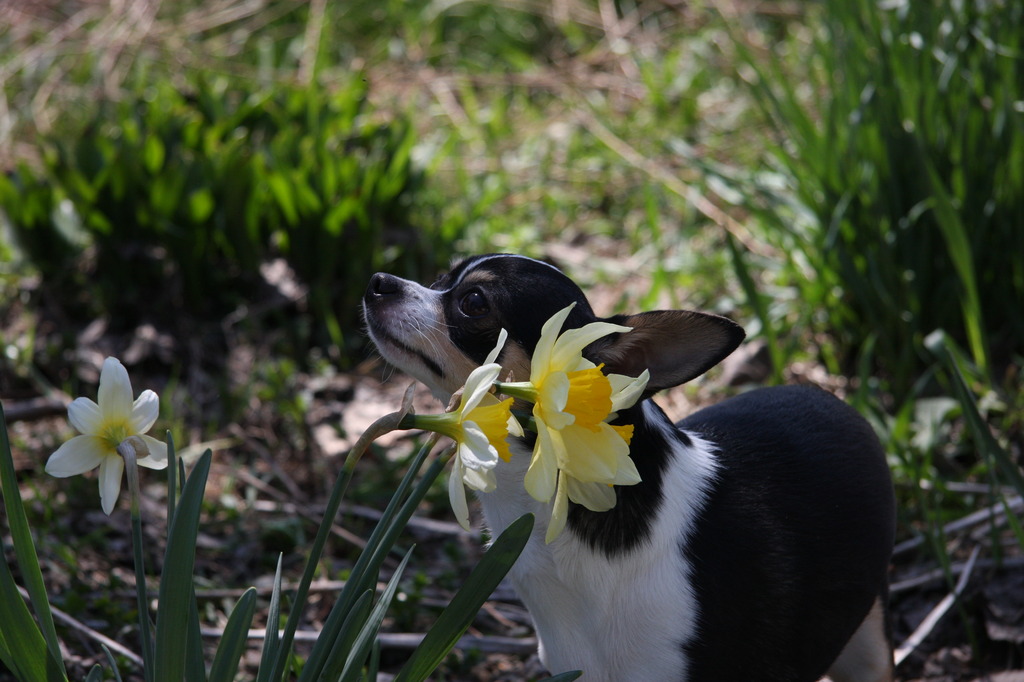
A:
[(905, 146)]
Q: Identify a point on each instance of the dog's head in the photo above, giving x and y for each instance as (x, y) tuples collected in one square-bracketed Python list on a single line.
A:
[(441, 333)]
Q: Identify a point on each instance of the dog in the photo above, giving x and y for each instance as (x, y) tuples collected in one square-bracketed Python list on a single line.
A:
[(755, 547)]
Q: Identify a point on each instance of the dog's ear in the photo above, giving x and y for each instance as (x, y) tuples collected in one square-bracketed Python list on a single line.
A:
[(675, 345)]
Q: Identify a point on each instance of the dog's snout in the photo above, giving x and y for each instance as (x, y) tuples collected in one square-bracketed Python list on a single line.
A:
[(383, 284)]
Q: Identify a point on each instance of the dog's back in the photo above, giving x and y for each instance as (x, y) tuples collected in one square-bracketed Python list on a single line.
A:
[(796, 532)]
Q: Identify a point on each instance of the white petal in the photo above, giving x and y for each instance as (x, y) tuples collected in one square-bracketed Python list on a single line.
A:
[(145, 410), (482, 480), (111, 471), (539, 364), (78, 455), (493, 355), (475, 450), (572, 342), (85, 416), (477, 386), (543, 472), (514, 427), (559, 512), (157, 458), (457, 494), (115, 394), (597, 497)]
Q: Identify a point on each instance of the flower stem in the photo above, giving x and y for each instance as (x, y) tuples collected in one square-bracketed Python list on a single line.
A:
[(518, 389), (127, 450), (385, 424)]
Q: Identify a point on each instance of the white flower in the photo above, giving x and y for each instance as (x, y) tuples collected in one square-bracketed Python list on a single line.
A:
[(480, 425), (104, 426)]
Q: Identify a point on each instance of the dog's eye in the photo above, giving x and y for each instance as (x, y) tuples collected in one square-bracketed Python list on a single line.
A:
[(474, 304)]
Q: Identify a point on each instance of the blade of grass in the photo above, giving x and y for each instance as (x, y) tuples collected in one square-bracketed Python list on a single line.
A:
[(757, 303), (459, 614), (176, 584), (272, 640), (25, 551), (959, 245), (112, 661), (939, 343)]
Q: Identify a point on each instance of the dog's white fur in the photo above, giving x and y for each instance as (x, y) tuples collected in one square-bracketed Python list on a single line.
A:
[(580, 598)]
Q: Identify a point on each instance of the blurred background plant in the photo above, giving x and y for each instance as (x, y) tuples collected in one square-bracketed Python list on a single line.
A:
[(203, 189)]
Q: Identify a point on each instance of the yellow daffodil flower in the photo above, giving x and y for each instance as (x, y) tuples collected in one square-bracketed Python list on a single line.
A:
[(480, 425), (103, 427), (578, 455)]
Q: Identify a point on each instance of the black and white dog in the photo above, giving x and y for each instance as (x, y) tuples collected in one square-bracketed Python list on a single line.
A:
[(756, 546)]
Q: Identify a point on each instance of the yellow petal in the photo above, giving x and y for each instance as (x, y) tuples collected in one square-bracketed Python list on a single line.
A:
[(627, 390), (569, 346), (589, 399), (493, 419), (542, 475), (559, 511), (597, 497), (593, 455), (541, 360), (625, 432), (552, 397)]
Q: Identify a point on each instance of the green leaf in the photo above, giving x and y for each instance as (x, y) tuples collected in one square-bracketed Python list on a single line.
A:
[(24, 649), (195, 663), (565, 677), (96, 674), (153, 154), (176, 584), (233, 641), (351, 625), (363, 644), (200, 205), (285, 196), (13, 628), (459, 614)]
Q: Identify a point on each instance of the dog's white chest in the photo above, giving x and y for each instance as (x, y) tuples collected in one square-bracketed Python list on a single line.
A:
[(620, 617)]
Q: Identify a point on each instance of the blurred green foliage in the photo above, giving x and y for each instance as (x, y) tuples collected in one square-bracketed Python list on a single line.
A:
[(175, 198)]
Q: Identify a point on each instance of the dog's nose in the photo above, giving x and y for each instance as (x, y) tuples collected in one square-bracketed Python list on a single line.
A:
[(383, 284)]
